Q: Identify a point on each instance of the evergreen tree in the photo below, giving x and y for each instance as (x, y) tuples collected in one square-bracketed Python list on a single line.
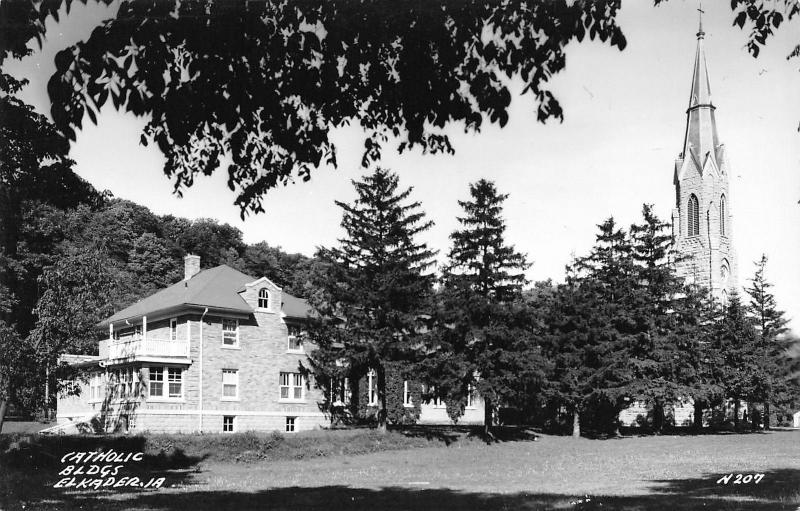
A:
[(482, 339), (770, 324), (575, 355), (699, 362), (374, 287), (609, 281), (736, 345), (660, 343)]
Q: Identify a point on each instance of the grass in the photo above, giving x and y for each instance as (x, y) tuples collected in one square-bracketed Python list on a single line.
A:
[(658, 473), (176, 450)]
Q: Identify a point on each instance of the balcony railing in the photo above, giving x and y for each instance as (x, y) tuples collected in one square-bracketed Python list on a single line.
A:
[(139, 346)]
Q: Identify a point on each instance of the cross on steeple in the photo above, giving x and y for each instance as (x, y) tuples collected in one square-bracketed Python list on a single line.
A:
[(700, 32)]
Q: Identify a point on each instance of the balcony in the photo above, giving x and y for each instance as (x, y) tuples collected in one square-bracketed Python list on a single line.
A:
[(138, 346)]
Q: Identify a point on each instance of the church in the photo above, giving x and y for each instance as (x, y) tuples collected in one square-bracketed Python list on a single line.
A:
[(701, 218)]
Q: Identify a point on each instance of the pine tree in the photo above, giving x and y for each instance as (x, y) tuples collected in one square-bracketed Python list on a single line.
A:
[(483, 332), (738, 354), (610, 282), (572, 348), (658, 375), (374, 286), (770, 323), (699, 362)]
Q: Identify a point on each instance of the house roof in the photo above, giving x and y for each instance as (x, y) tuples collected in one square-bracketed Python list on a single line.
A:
[(295, 307), (216, 288)]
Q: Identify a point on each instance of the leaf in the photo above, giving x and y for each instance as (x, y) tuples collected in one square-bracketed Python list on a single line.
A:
[(740, 19)]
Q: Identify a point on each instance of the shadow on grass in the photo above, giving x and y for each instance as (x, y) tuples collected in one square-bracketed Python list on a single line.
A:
[(779, 490), (687, 431), (449, 434), (47, 452)]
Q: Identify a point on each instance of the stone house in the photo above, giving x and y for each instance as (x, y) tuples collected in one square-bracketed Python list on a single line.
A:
[(220, 351)]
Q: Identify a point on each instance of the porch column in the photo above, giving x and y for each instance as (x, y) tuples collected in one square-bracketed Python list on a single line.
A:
[(144, 328)]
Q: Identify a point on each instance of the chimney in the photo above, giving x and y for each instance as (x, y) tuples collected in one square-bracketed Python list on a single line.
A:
[(191, 266)]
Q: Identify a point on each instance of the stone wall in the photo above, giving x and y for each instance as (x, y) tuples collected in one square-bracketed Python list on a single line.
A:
[(430, 414), (706, 253)]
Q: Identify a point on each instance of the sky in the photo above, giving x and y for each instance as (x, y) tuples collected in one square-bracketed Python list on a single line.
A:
[(623, 128)]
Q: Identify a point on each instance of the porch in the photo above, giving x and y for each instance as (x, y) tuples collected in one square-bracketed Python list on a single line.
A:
[(143, 345)]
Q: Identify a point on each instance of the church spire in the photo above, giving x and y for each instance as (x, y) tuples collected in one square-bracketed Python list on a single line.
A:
[(700, 32), (701, 127)]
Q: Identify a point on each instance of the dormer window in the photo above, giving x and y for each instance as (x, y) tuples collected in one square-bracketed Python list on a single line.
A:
[(263, 298)]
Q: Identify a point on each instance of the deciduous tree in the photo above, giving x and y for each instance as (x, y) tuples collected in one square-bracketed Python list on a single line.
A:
[(265, 82)]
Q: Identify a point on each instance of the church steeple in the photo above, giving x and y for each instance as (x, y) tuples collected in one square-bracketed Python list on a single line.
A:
[(701, 139), (702, 216)]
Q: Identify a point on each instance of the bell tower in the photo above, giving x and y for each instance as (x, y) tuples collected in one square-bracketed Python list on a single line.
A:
[(702, 219)]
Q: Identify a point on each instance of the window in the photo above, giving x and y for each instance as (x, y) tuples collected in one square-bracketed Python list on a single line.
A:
[(290, 424), (291, 386), (693, 216), (406, 395), (470, 396), (340, 391), (295, 339), (263, 298), (96, 387), (113, 376), (123, 380), (173, 329), (227, 423), (435, 400), (230, 384), (175, 382), (173, 376), (372, 390), (230, 332), (722, 216)]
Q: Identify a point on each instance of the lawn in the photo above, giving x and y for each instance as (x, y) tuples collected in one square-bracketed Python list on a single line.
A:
[(648, 473)]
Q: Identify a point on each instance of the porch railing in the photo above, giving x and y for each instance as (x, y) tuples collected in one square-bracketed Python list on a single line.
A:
[(138, 346)]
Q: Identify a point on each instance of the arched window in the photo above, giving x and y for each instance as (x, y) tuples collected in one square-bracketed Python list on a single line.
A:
[(722, 215), (725, 272), (263, 298), (693, 216)]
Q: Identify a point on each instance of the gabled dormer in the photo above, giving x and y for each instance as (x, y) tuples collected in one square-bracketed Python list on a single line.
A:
[(263, 295)]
